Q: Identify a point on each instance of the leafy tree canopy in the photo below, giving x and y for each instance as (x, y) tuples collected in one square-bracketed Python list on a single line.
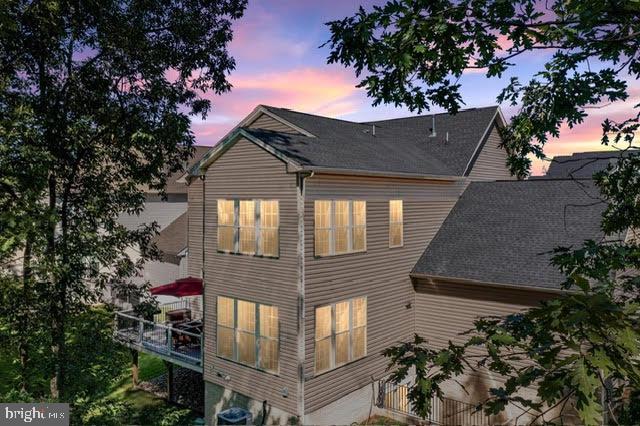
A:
[(581, 349), (95, 106), (413, 52)]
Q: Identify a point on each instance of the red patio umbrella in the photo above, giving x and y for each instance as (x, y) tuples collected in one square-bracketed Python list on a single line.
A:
[(189, 286)]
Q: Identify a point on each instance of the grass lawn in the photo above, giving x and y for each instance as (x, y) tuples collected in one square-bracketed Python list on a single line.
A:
[(147, 408), (382, 421)]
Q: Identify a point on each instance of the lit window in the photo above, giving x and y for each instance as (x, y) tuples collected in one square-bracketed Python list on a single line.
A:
[(248, 333), (269, 228), (249, 227), (340, 227), (226, 225), (341, 333), (323, 227), (396, 224)]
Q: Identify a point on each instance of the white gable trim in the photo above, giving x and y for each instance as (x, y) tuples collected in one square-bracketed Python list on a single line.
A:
[(223, 146), (497, 117)]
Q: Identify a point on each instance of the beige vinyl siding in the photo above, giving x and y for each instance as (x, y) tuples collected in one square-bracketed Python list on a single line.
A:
[(246, 171), (194, 228), (446, 309), (491, 163), (269, 123), (380, 274)]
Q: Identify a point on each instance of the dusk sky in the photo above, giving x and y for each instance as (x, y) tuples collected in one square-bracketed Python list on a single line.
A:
[(279, 62)]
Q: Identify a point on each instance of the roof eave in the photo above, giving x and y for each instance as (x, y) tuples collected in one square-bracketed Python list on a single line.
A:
[(421, 275)]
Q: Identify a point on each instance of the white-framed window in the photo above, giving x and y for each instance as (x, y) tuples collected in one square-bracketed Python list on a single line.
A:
[(269, 228), (396, 224), (340, 227), (249, 227), (248, 333), (341, 333)]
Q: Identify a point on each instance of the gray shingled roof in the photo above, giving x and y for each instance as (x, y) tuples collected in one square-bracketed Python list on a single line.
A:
[(173, 239), (173, 186), (502, 232), (400, 145), (582, 164)]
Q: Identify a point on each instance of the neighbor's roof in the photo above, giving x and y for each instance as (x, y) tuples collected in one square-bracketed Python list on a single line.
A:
[(582, 164), (503, 232), (175, 187), (398, 146), (173, 239)]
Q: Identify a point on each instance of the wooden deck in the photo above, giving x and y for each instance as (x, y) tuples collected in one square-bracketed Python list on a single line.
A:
[(172, 343)]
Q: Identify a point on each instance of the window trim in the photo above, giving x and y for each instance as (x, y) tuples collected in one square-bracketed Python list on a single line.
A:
[(256, 334), (332, 337), (332, 228), (401, 223), (257, 228)]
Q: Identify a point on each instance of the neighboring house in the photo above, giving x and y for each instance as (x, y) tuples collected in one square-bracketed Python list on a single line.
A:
[(321, 242), (170, 215), (583, 164)]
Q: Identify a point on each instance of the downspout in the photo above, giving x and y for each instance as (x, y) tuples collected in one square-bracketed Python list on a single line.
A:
[(204, 310), (300, 199)]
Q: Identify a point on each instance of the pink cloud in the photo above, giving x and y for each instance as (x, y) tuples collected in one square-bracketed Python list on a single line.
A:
[(587, 136), (324, 91)]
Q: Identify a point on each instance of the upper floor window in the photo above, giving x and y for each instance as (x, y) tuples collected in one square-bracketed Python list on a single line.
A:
[(249, 227), (340, 227), (341, 333), (396, 224), (247, 332)]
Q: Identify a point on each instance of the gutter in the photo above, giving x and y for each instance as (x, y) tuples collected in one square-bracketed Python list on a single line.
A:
[(375, 173), (418, 275)]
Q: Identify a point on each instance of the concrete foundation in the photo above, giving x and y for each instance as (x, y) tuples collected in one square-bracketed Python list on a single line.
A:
[(218, 398)]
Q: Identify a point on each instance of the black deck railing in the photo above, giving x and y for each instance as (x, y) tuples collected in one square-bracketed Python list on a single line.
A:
[(445, 411)]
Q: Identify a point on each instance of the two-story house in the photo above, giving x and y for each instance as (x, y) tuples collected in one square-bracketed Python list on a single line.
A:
[(305, 230), (321, 242)]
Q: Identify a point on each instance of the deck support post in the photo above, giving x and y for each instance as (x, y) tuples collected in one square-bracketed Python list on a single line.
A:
[(134, 368), (169, 380)]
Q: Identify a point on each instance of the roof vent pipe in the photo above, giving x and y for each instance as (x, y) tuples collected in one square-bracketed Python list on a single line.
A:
[(433, 126), (373, 130)]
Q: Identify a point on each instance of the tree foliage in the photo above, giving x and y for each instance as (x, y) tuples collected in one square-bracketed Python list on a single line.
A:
[(96, 99), (581, 349), (413, 52)]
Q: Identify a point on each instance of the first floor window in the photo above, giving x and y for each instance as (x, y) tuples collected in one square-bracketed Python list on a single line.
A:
[(249, 227), (247, 332), (340, 227), (341, 333)]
